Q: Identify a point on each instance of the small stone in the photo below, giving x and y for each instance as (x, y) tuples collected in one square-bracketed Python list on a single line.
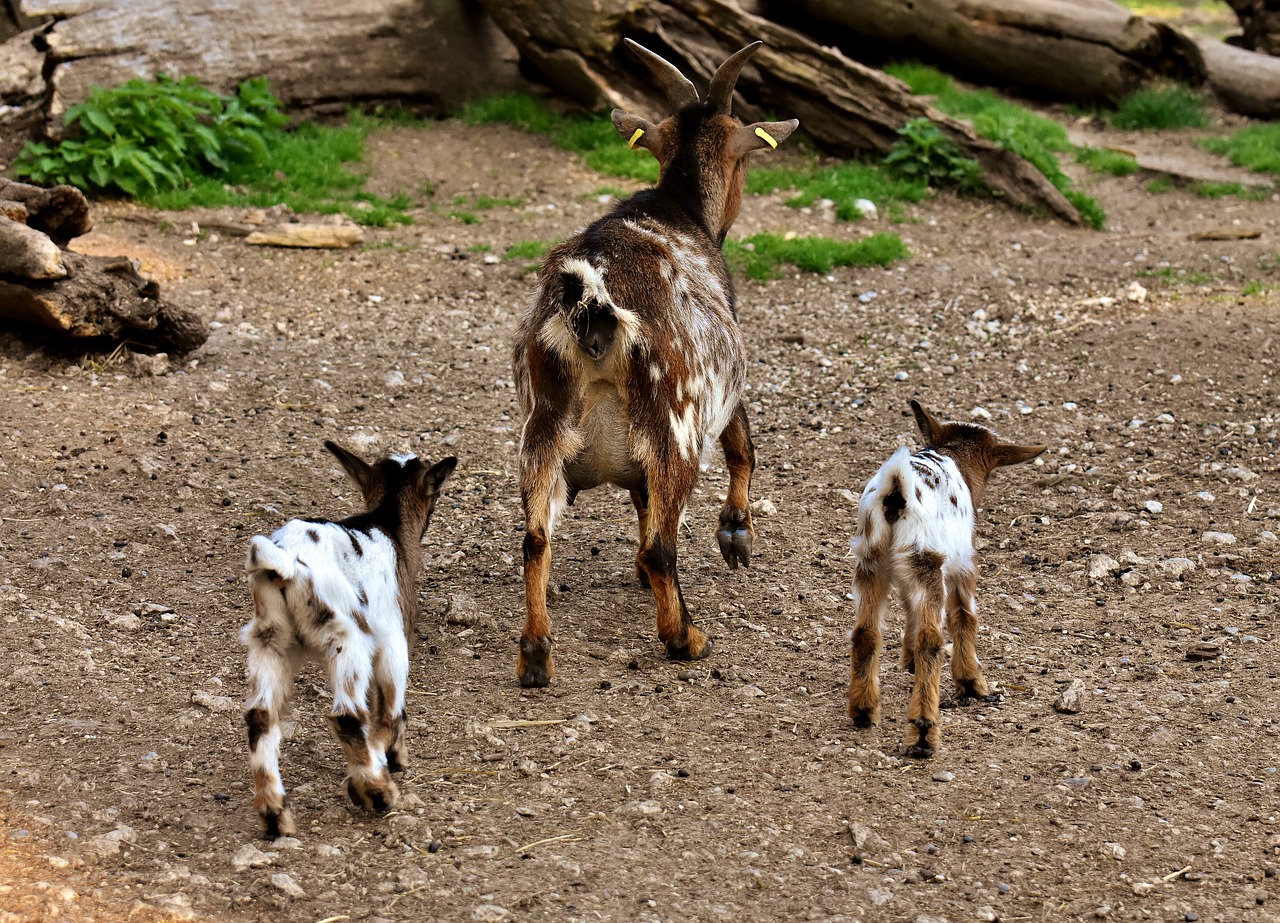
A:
[(490, 913), (249, 856), (764, 508), (1136, 292), (1102, 566), (1153, 506), (944, 776), (214, 702), (748, 692), (1217, 538), (980, 413), (1142, 888), (462, 609), (1176, 567), (1110, 850), (286, 842), (1204, 650), (901, 376), (150, 366), (108, 844), (1072, 699), (394, 379), (526, 811), (286, 885), (867, 208)]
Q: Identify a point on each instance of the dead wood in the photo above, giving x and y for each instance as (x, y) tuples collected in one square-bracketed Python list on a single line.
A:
[(28, 254), (846, 107), (1260, 20), (62, 212), (322, 236), (101, 298)]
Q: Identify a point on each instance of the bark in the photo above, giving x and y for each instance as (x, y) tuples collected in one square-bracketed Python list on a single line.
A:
[(439, 52), (62, 212), (101, 298), (844, 106), (1260, 20), (27, 253), (1088, 51)]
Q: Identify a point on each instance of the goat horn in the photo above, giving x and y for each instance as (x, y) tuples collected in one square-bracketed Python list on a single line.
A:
[(720, 97), (677, 86)]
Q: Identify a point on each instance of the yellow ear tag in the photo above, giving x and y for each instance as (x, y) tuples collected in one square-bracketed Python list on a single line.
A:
[(631, 145), (768, 138)]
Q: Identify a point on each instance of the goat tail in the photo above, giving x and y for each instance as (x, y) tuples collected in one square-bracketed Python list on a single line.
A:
[(267, 558), (884, 502)]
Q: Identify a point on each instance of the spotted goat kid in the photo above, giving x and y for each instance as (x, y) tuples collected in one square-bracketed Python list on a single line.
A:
[(915, 535), (342, 593), (629, 362)]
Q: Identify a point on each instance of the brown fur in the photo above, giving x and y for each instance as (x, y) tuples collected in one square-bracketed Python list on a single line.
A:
[(633, 412)]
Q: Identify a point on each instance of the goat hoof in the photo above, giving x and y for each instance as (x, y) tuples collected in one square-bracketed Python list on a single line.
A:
[(534, 665), (687, 651), (735, 546), (276, 824), (926, 737), (920, 751), (864, 717), (378, 796)]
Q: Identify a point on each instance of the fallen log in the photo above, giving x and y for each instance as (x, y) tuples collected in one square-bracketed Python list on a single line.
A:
[(321, 236), (846, 107), (28, 254), (1260, 20), (101, 298), (62, 212)]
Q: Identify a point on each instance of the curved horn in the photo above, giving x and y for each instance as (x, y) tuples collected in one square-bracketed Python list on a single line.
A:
[(679, 89), (720, 97)]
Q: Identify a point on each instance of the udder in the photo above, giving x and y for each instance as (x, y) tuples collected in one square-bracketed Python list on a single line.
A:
[(606, 452)]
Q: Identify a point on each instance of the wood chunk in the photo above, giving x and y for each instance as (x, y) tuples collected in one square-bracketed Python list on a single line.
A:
[(308, 235), (1226, 234), (62, 212), (28, 254)]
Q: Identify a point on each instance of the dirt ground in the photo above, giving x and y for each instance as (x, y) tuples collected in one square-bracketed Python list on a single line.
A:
[(635, 788)]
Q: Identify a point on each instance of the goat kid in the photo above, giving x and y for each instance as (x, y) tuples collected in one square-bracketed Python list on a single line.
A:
[(629, 360), (341, 593), (915, 535)]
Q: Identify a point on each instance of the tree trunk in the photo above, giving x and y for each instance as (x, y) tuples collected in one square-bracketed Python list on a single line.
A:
[(1260, 20), (101, 298), (844, 106), (1085, 51), (441, 52)]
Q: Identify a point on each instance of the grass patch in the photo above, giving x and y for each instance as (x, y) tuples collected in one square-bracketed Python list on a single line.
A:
[(482, 203), (527, 250), (1221, 190), (175, 144), (1256, 147), (1256, 288), (1110, 163), (1161, 184), (1035, 138), (1172, 275), (591, 136), (479, 248), (464, 216), (843, 183), (1160, 108), (760, 255)]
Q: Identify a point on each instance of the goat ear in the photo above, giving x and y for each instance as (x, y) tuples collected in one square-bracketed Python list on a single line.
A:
[(929, 425), (760, 135), (434, 477), (355, 466), (637, 132), (1007, 454)]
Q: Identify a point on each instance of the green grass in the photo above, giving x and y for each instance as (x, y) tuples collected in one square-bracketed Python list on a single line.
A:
[(1160, 108), (1161, 184), (527, 250), (464, 216), (309, 170), (1176, 275), (1220, 190), (591, 136), (1256, 147), (1256, 288), (761, 255), (843, 184), (1037, 139), (1110, 163), (482, 203), (479, 248)]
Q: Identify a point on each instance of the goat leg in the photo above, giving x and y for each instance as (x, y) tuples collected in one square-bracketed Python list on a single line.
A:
[(736, 534), (870, 587), (962, 624)]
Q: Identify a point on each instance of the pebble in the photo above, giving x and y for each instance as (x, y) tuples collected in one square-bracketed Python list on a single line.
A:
[(901, 376), (748, 692), (108, 844), (980, 413), (462, 609), (867, 208), (1072, 699), (1217, 538), (214, 702), (394, 379), (286, 885), (944, 776), (1112, 850), (1101, 566), (490, 913), (1176, 567), (249, 856), (764, 508), (1153, 506), (1204, 650)]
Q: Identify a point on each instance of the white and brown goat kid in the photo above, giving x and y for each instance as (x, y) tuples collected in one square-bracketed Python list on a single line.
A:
[(342, 593), (629, 362), (915, 535)]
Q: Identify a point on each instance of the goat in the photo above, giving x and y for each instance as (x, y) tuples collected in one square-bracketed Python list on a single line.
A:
[(629, 360), (342, 593), (915, 534)]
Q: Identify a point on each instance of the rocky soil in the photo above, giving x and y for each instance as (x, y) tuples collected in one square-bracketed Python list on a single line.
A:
[(1128, 585)]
